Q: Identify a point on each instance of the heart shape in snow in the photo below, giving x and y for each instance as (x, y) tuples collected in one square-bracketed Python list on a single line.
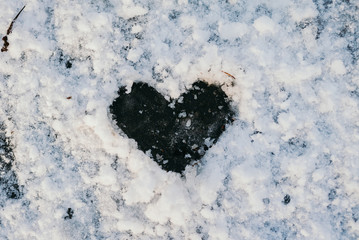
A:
[(176, 132)]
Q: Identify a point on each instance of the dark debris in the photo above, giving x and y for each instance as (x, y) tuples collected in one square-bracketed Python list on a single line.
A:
[(9, 30), (70, 213)]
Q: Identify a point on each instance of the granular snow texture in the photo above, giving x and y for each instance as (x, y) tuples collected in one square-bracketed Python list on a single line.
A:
[(286, 168)]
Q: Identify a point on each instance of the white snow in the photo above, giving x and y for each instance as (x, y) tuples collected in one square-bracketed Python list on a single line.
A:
[(265, 25), (337, 67), (290, 67), (231, 31), (188, 123)]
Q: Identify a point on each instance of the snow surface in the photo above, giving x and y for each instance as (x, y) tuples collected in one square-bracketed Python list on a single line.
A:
[(296, 133)]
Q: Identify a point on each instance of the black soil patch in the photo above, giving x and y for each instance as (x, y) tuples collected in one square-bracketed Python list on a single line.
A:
[(176, 132), (9, 187)]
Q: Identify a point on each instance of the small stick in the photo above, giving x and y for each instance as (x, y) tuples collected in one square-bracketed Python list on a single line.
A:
[(230, 75), (9, 30)]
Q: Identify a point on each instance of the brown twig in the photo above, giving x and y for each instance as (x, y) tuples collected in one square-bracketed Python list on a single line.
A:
[(6, 44), (229, 75), (9, 30)]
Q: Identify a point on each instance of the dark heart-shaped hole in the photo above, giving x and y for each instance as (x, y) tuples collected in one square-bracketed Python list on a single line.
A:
[(176, 132)]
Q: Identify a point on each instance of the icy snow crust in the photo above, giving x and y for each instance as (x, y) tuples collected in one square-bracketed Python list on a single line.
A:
[(296, 93)]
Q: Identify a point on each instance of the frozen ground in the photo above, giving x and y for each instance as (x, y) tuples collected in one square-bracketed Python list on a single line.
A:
[(288, 167)]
